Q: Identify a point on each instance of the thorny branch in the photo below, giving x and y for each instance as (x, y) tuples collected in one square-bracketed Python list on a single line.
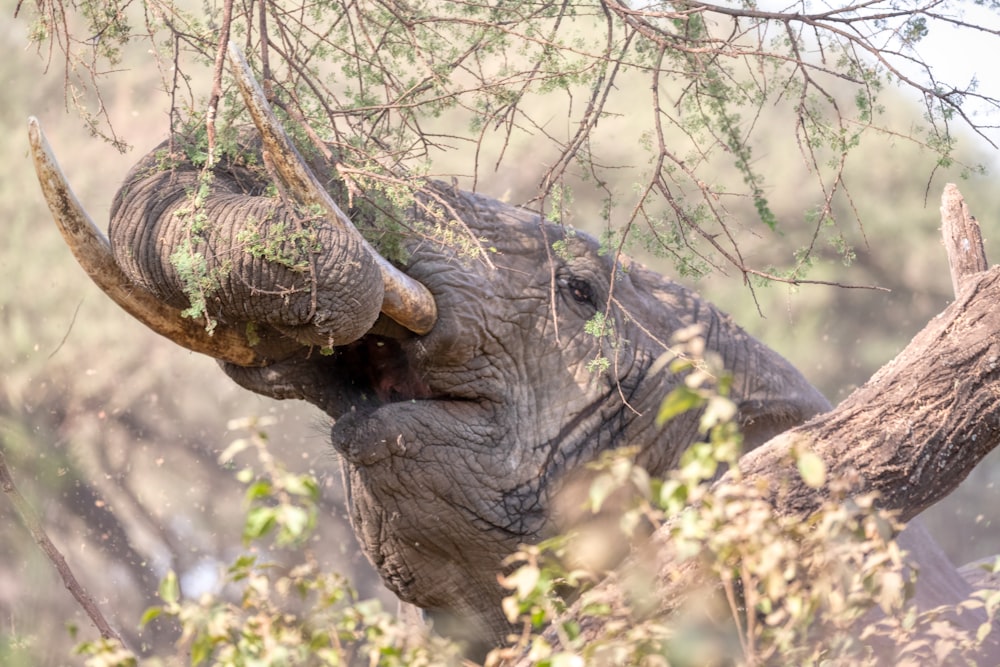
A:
[(378, 82)]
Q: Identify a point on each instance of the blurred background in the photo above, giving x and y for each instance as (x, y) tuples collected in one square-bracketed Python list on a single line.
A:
[(113, 433)]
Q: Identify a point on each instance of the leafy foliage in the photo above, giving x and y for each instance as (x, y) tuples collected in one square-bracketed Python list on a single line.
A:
[(755, 586), (198, 278), (394, 87), (266, 613)]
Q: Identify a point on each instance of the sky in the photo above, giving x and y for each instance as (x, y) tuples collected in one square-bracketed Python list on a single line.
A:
[(956, 55), (961, 55)]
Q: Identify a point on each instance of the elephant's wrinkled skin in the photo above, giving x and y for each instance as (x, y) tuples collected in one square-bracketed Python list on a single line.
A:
[(461, 400), (460, 403), (454, 443)]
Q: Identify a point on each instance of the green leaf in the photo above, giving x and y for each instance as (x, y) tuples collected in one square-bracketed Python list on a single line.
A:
[(149, 615), (260, 521), (259, 489), (718, 411), (602, 487), (201, 649), (678, 401), (812, 469), (169, 588), (302, 485), (294, 521)]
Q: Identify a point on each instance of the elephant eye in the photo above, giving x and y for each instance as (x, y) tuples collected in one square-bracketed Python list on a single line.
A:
[(581, 291)]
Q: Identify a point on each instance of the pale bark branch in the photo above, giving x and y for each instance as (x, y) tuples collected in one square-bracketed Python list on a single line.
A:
[(37, 530), (963, 239)]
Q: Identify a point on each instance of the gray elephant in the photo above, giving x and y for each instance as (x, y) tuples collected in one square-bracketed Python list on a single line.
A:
[(459, 388)]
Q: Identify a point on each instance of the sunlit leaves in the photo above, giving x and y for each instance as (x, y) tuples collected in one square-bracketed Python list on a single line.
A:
[(280, 503), (705, 383), (269, 614)]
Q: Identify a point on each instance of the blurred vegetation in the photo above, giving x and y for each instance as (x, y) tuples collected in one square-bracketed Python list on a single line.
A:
[(114, 434), (748, 584)]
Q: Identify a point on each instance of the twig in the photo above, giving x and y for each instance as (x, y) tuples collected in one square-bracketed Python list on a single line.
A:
[(37, 530), (963, 239), (220, 64)]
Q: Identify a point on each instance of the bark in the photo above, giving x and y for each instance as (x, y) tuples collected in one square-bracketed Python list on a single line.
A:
[(918, 427), (912, 433)]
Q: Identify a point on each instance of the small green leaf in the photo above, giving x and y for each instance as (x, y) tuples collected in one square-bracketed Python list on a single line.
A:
[(302, 485), (294, 521), (678, 401), (259, 489), (260, 521), (201, 649), (149, 615), (169, 588), (602, 487), (718, 411), (812, 469)]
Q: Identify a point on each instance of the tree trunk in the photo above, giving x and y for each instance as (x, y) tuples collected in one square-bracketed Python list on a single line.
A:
[(919, 426)]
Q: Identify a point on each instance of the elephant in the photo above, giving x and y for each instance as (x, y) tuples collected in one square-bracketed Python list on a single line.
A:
[(459, 385)]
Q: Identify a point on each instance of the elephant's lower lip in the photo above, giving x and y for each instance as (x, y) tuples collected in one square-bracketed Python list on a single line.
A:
[(364, 437)]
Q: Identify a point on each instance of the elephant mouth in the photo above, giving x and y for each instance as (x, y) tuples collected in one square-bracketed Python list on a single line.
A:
[(382, 372), (381, 380)]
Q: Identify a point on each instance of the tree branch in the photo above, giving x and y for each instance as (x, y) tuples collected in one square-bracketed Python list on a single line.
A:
[(963, 239), (37, 530)]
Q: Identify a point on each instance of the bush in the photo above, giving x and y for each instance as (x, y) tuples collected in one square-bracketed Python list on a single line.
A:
[(716, 575)]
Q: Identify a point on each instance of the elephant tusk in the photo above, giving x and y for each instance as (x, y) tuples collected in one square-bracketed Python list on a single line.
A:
[(93, 252), (406, 300)]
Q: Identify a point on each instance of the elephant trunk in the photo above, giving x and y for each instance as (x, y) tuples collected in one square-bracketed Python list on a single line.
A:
[(771, 394), (268, 276), (213, 244), (93, 252), (405, 300)]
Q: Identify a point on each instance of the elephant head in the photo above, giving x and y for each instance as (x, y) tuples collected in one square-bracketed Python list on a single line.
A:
[(456, 417)]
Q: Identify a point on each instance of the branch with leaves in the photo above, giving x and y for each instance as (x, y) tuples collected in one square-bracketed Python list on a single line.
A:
[(373, 81)]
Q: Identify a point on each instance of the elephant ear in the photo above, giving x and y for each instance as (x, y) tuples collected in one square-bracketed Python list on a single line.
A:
[(163, 264), (771, 395)]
